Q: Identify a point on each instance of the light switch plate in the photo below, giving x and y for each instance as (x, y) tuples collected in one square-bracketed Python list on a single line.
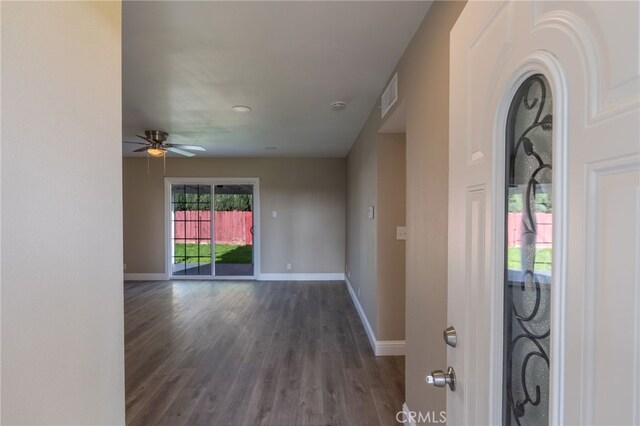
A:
[(401, 232), (370, 212), (274, 213)]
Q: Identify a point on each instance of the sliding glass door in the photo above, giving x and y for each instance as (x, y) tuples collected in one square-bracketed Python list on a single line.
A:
[(211, 226), (191, 230), (233, 222)]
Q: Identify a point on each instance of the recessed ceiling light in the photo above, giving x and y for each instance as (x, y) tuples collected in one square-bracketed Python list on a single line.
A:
[(338, 106), (241, 108)]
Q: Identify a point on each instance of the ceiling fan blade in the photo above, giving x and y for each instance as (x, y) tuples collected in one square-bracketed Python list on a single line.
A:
[(143, 149), (145, 138), (191, 147), (181, 152), (137, 143)]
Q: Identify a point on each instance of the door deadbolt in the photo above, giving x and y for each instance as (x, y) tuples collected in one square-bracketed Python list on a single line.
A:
[(450, 336), (440, 379)]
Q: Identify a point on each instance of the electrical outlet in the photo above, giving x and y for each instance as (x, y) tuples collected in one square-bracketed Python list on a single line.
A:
[(288, 266), (274, 213)]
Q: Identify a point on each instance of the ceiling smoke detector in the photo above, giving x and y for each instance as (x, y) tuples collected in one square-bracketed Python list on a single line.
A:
[(338, 106), (241, 108)]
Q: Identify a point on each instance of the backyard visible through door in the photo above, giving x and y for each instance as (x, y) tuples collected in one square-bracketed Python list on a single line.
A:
[(233, 224), (194, 229)]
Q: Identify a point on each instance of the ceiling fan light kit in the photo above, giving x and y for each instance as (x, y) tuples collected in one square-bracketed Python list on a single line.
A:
[(156, 152), (156, 145)]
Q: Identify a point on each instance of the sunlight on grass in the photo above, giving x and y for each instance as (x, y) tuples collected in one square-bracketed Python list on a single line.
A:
[(542, 263), (201, 253)]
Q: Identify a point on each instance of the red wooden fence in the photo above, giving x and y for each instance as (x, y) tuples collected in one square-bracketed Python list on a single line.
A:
[(544, 226), (235, 227), (232, 227)]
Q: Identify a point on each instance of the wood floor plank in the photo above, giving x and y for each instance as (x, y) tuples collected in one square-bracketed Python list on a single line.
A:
[(333, 396), (386, 407), (358, 397), (310, 404), (231, 353)]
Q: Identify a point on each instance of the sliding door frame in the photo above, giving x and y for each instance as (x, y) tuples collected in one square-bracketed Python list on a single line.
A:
[(255, 182)]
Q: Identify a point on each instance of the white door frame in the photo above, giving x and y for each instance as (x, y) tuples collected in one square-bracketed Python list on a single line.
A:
[(168, 181)]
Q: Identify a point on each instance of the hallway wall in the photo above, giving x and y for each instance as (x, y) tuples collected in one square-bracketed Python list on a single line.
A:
[(62, 354), (423, 84), (375, 259), (424, 69), (391, 256)]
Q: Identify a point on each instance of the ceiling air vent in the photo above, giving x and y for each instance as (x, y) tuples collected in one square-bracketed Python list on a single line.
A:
[(390, 95)]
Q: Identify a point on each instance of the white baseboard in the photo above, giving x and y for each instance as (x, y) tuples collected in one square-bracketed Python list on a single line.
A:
[(363, 316), (408, 419), (380, 347), (390, 347), (338, 276), (231, 278), (145, 277)]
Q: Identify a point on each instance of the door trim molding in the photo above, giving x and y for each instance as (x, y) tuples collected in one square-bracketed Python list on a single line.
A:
[(408, 418)]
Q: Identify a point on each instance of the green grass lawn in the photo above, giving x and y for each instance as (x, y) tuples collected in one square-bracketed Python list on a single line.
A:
[(543, 259), (224, 253), (234, 254)]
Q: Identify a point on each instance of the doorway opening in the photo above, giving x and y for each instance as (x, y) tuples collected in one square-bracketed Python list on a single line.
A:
[(212, 228)]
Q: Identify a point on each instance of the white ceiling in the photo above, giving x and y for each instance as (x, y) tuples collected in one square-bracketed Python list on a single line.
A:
[(185, 64)]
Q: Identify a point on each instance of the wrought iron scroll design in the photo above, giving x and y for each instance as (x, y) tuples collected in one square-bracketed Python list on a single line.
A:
[(532, 96)]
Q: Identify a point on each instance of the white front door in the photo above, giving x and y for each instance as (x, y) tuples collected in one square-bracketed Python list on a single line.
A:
[(544, 228)]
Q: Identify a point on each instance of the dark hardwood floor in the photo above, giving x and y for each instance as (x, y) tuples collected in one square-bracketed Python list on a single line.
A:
[(250, 353)]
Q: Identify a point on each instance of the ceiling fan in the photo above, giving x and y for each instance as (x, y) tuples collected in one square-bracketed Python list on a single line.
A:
[(156, 145)]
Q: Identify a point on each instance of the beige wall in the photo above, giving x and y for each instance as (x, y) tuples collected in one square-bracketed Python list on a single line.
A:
[(0, 214), (375, 259), (423, 83), (308, 194), (62, 305), (391, 251), (362, 184)]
